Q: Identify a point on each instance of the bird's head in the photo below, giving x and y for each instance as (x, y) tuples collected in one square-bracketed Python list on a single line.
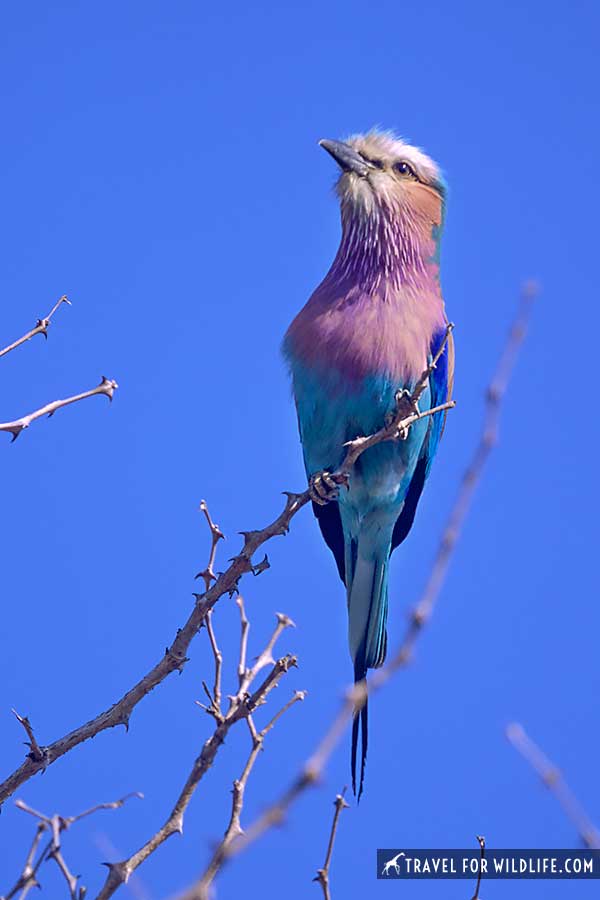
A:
[(383, 177)]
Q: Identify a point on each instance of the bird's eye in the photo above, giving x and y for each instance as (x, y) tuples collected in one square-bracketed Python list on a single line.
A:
[(403, 168)]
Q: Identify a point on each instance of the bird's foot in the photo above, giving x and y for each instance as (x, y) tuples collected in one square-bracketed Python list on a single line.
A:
[(324, 486), (404, 399), (405, 406)]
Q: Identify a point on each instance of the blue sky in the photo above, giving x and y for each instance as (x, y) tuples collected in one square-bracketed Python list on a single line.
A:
[(160, 166)]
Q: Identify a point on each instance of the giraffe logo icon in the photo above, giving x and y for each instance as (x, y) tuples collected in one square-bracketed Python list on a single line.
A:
[(393, 864)]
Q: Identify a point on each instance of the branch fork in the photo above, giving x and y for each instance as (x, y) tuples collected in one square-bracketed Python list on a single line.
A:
[(55, 825), (241, 707), (41, 327)]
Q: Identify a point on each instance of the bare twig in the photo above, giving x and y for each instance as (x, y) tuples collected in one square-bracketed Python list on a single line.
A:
[(241, 706), (55, 825), (216, 535), (226, 582), (114, 804), (481, 842), (494, 396), (265, 658), (36, 753), (55, 853), (553, 779), (322, 875), (234, 828), (356, 696), (215, 697), (245, 626), (208, 575), (41, 327), (107, 387), (27, 879)]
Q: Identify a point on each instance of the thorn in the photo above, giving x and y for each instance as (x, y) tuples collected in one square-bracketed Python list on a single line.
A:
[(248, 535), (288, 662), (262, 566), (109, 385)]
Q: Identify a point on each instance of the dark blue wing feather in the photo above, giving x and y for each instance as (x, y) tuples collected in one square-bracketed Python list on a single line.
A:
[(330, 523), (440, 383)]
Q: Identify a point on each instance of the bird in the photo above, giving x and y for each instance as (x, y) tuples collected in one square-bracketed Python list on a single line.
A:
[(369, 331)]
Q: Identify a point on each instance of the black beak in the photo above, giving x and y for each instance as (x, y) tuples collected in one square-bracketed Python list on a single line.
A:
[(347, 158)]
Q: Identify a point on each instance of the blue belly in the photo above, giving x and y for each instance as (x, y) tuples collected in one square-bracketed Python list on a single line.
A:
[(331, 413)]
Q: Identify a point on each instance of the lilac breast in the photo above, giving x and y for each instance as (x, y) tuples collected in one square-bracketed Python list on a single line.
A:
[(360, 333)]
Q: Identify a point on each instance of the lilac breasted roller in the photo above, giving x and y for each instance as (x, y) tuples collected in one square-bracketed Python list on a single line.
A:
[(368, 331)]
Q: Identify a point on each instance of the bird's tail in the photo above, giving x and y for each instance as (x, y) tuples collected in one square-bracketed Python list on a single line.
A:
[(367, 616)]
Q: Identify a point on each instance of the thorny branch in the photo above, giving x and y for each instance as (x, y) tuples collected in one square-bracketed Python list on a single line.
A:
[(27, 879), (209, 576), (552, 778), (356, 696), (107, 387), (216, 535), (41, 327), (242, 705), (234, 828), (54, 825), (322, 875), (226, 582)]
